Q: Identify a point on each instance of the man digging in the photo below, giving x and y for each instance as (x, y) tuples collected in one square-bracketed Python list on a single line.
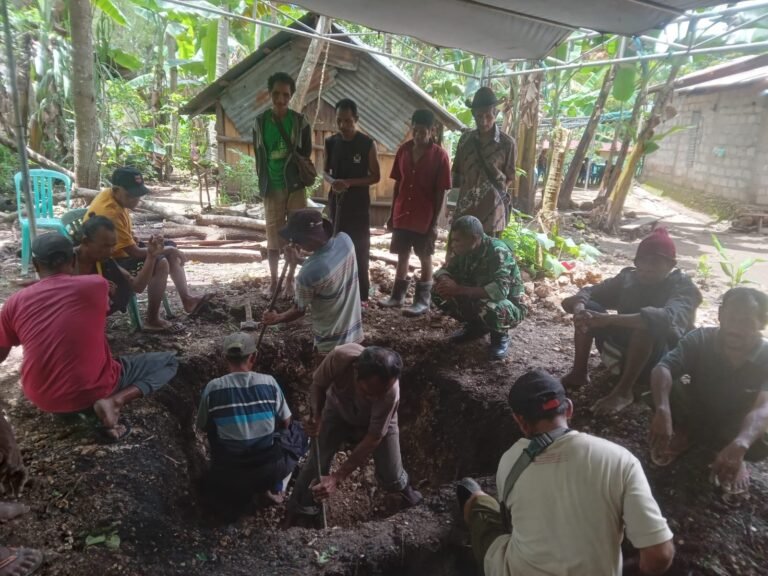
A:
[(725, 405), (656, 305), (480, 287), (354, 397)]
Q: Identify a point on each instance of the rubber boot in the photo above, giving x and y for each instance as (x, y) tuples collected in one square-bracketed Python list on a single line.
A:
[(397, 298), (499, 345), (468, 332), (421, 300)]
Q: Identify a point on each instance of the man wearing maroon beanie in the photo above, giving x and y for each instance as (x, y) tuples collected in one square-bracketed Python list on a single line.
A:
[(655, 306)]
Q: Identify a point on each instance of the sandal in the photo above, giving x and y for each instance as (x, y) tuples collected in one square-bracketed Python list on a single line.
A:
[(19, 561), (172, 328), (663, 457)]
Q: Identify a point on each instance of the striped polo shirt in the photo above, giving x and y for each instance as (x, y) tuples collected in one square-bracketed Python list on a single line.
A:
[(239, 411), (327, 284)]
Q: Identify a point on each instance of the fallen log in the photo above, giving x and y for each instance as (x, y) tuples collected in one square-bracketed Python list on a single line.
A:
[(36, 157), (232, 221), (175, 231), (146, 204), (221, 256), (413, 262)]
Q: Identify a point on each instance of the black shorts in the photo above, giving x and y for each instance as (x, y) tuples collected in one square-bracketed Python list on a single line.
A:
[(404, 240)]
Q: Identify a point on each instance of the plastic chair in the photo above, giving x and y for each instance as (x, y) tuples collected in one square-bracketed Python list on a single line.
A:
[(73, 224), (135, 314), (41, 184)]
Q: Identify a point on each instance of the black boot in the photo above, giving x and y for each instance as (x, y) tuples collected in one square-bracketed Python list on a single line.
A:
[(499, 345), (411, 497), (397, 298), (470, 331), (421, 300)]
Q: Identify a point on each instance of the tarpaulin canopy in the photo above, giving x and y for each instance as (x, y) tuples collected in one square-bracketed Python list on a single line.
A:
[(504, 29)]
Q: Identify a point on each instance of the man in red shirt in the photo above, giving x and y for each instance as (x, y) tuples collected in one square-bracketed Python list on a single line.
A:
[(67, 364), (422, 174)]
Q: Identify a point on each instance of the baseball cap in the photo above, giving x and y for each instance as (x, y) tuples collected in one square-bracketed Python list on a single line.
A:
[(536, 394), (47, 246), (307, 224), (131, 180), (239, 345)]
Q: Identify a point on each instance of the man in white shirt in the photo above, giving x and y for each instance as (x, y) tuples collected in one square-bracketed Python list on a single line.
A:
[(570, 506)]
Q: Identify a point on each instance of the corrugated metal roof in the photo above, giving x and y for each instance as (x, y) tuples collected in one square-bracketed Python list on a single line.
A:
[(733, 81), (386, 96)]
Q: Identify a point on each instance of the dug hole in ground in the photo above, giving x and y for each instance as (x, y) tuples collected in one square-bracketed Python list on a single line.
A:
[(131, 508)]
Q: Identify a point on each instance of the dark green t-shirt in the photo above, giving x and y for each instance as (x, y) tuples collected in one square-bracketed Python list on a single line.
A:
[(277, 150)]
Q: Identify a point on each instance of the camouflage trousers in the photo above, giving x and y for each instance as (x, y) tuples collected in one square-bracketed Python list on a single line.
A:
[(496, 316)]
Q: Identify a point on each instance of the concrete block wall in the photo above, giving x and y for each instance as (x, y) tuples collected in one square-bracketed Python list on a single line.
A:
[(726, 155)]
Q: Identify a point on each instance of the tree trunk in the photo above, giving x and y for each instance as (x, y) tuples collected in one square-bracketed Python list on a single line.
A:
[(83, 94), (221, 255), (233, 221), (611, 216), (222, 62), (610, 161), (256, 27), (34, 156), (526, 141), (586, 140), (310, 62), (629, 135), (173, 81), (509, 113), (560, 141)]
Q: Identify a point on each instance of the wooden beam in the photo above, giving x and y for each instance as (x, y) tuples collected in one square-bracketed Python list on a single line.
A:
[(716, 73)]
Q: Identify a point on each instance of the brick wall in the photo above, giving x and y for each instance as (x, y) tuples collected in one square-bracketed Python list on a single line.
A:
[(724, 154)]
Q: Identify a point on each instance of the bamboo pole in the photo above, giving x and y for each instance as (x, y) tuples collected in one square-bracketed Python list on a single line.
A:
[(20, 143)]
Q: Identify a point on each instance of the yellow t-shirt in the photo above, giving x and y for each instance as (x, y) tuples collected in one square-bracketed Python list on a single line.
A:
[(105, 205)]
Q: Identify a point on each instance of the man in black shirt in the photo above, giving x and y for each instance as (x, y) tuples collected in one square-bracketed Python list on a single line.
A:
[(351, 166), (725, 403), (656, 305)]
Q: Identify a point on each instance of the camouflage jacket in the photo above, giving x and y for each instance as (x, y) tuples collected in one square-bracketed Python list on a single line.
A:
[(491, 265)]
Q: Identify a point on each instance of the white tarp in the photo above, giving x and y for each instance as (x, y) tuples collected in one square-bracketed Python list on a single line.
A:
[(504, 29)]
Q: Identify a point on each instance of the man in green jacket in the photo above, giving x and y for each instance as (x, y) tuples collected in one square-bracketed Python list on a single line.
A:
[(480, 286), (280, 186)]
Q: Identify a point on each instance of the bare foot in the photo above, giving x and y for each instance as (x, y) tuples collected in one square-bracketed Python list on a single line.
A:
[(157, 325), (11, 510), (289, 292), (575, 380), (194, 304), (740, 483), (268, 289), (614, 403), (107, 412)]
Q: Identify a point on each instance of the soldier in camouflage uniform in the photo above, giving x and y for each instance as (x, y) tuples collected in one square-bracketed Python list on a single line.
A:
[(480, 286)]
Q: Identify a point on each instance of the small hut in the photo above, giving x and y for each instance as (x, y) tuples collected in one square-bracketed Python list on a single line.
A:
[(385, 96)]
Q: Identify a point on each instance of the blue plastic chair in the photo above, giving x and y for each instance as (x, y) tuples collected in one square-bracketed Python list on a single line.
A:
[(41, 183)]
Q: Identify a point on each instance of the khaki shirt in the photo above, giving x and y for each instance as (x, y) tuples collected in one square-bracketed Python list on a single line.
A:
[(337, 376)]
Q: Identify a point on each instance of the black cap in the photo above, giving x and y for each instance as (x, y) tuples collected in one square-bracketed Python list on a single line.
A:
[(52, 246), (131, 180), (536, 394), (483, 98), (307, 224)]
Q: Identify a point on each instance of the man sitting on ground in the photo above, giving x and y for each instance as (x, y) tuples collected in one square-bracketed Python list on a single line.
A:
[(354, 397), (327, 282), (114, 203), (480, 286), (725, 405), (566, 498), (60, 321), (656, 305), (422, 174), (94, 256), (255, 445)]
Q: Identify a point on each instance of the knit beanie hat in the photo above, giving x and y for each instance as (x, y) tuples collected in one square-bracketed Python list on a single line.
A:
[(657, 243)]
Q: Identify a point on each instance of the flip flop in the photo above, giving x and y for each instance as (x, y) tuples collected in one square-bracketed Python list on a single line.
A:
[(108, 438), (204, 300), (20, 561), (173, 328), (665, 457)]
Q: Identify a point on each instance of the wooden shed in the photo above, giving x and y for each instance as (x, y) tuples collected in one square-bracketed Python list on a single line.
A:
[(385, 96)]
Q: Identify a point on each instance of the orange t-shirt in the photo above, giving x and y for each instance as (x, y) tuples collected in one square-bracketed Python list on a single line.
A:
[(105, 205)]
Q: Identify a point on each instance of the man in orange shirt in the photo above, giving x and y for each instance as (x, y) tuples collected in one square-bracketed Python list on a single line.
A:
[(114, 203)]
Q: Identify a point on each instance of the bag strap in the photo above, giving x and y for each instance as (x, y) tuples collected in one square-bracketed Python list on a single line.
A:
[(284, 134), (538, 444), (491, 177)]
